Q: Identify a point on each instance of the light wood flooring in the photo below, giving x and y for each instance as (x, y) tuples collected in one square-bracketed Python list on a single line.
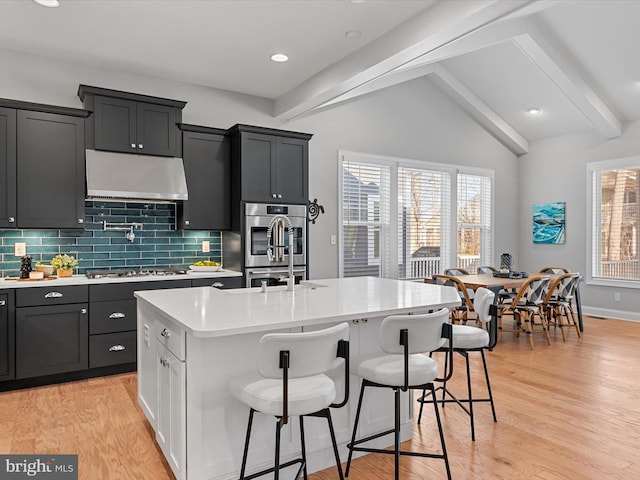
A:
[(566, 411)]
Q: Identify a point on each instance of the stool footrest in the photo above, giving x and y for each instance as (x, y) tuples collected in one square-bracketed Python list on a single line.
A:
[(272, 469)]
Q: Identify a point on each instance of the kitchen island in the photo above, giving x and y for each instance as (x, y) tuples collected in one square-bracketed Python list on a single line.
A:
[(192, 342)]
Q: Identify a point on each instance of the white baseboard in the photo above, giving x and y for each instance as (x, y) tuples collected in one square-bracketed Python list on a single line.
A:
[(608, 313)]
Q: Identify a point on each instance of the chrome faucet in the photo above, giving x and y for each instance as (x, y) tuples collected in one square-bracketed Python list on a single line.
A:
[(279, 221)]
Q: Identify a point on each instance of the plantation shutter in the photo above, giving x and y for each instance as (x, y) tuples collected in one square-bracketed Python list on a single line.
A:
[(474, 223)]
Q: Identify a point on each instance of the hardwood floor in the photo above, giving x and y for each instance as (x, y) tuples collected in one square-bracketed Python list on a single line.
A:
[(566, 411)]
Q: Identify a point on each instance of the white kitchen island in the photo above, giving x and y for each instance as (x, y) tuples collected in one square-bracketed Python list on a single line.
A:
[(192, 342)]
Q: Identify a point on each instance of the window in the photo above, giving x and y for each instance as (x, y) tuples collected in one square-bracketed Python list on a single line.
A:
[(614, 186), (425, 197)]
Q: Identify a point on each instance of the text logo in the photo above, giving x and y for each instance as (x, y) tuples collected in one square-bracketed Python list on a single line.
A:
[(51, 467)]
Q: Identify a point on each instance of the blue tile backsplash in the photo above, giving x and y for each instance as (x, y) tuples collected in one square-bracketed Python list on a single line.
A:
[(156, 244)]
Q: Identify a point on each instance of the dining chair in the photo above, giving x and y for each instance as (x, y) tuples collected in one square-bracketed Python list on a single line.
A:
[(468, 339), (486, 269), (456, 271), (402, 367), (292, 380), (526, 306), (558, 303), (554, 270), (461, 312)]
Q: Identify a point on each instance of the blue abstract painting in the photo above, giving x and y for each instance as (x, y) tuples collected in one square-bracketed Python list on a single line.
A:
[(548, 222)]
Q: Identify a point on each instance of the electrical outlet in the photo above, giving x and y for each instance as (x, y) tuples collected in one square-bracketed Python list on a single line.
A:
[(333, 239), (616, 296), (20, 249), (206, 246)]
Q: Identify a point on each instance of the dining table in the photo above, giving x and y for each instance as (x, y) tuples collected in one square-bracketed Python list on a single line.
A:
[(488, 280)]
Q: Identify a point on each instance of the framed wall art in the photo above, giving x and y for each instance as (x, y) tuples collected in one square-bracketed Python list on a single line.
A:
[(548, 222)]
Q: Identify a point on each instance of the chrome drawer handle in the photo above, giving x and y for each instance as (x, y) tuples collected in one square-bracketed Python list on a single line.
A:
[(83, 311), (140, 145), (117, 348), (11, 219), (217, 284), (133, 145), (165, 333), (53, 295), (164, 362), (2, 303), (117, 315)]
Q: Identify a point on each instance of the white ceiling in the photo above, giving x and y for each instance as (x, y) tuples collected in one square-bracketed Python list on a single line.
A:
[(576, 60)]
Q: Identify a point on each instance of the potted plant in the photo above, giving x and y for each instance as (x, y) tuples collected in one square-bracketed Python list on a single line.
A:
[(64, 264)]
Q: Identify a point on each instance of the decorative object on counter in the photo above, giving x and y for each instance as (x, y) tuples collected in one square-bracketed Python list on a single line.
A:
[(123, 227), (25, 266), (315, 210), (506, 262), (36, 275), (47, 270), (64, 264), (206, 266)]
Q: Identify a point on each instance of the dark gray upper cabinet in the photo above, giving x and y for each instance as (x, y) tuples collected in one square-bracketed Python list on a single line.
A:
[(41, 166), (269, 165), (8, 209), (206, 156), (50, 170), (132, 123), (7, 336)]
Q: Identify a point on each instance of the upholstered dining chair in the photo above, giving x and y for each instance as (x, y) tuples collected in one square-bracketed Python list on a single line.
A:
[(467, 339), (526, 307), (292, 380), (402, 367)]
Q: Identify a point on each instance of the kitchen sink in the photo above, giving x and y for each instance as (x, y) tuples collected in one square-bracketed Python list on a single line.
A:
[(277, 288)]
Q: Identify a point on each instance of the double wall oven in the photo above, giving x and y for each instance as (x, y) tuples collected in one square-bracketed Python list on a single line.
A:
[(256, 263)]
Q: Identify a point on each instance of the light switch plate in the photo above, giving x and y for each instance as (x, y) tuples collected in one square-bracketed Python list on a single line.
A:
[(19, 249)]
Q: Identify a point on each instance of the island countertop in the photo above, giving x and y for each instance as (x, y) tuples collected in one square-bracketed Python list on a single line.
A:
[(209, 312)]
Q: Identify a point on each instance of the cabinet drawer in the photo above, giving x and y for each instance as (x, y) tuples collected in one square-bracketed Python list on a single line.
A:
[(221, 282), (172, 337), (112, 349), (110, 317), (51, 295), (124, 291)]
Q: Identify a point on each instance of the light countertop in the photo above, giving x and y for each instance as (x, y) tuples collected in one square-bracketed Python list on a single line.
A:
[(83, 280), (209, 312)]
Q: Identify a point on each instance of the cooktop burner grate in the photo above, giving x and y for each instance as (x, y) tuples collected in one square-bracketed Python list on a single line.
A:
[(140, 272)]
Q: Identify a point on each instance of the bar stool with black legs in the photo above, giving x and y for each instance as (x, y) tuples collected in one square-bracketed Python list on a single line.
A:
[(404, 339), (293, 381), (468, 339)]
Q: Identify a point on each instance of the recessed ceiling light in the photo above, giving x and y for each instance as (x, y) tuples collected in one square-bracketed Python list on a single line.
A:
[(534, 111), (48, 3), (357, 1), (353, 33), (279, 57)]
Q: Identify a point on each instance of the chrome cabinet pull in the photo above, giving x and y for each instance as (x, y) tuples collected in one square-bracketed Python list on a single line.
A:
[(81, 220), (186, 222), (165, 333), (217, 284), (12, 219), (133, 145), (164, 361), (117, 348), (53, 295), (140, 145), (83, 311), (117, 315), (2, 303), (279, 195), (273, 195)]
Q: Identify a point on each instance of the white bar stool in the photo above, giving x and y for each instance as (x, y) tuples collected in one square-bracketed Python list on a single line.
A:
[(292, 381)]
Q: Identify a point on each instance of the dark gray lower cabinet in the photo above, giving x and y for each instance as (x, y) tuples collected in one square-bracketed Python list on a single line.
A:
[(7, 323), (112, 349), (51, 339)]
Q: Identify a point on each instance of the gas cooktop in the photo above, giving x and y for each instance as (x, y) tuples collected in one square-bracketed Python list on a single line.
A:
[(140, 272)]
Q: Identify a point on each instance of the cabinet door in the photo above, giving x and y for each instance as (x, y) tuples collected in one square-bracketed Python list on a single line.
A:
[(206, 164), (171, 418), (50, 171), (7, 339), (258, 154), (51, 340), (156, 130), (291, 174), (115, 124), (7, 167)]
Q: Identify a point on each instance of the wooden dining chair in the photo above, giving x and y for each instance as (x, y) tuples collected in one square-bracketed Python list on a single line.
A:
[(558, 303), (526, 307), (459, 314), (486, 269), (554, 270), (456, 271)]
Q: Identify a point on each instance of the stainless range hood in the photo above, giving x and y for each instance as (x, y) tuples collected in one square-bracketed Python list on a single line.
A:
[(134, 177)]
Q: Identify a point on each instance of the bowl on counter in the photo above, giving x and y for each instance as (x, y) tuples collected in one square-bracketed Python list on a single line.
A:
[(196, 268), (47, 270)]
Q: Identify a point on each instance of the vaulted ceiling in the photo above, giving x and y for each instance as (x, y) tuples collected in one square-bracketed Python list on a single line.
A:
[(576, 61)]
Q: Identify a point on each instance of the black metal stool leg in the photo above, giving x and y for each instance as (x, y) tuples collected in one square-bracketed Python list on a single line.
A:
[(421, 400), (304, 449), (444, 448), (486, 376), (396, 440), (246, 444), (473, 425), (355, 427), (335, 445), (276, 473)]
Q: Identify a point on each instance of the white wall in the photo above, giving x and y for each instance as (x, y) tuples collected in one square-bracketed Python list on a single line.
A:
[(554, 170), (414, 120)]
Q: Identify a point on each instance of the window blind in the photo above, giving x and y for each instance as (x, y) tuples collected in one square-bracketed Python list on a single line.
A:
[(365, 216), (474, 224)]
